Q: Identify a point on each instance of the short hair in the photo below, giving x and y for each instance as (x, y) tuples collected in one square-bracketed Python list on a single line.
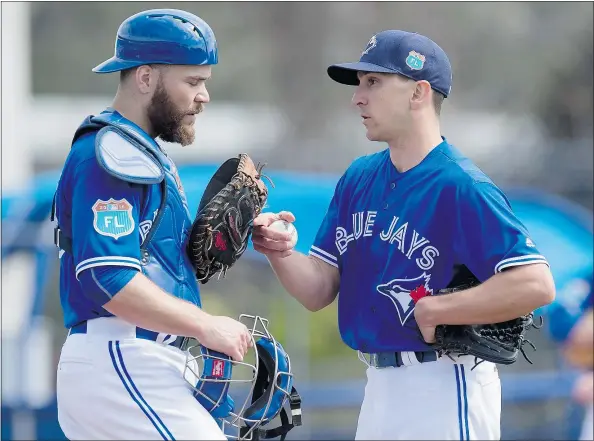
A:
[(438, 98), (127, 72)]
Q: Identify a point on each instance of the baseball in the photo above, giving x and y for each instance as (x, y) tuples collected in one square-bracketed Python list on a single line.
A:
[(284, 226)]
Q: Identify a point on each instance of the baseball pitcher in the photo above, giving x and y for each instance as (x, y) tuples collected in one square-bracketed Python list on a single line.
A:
[(438, 279)]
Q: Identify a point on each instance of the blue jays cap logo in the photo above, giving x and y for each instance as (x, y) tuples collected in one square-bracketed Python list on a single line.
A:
[(415, 60), (370, 45), (113, 218), (404, 293)]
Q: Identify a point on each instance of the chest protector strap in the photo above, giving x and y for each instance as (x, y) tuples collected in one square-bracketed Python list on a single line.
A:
[(126, 153)]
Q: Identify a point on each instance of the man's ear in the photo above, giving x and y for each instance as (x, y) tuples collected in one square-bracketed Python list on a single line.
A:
[(146, 78), (421, 94)]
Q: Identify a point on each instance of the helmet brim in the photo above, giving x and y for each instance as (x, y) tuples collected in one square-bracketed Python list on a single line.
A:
[(346, 73), (115, 64)]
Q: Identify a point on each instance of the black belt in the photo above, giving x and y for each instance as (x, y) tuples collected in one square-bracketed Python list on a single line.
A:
[(397, 359), (145, 334)]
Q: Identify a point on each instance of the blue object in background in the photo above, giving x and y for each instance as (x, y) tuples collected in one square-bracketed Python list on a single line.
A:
[(561, 229)]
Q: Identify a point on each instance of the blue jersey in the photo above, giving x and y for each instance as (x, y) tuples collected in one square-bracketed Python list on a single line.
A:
[(107, 219), (396, 237)]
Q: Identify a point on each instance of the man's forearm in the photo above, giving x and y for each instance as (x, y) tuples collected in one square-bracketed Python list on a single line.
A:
[(504, 296), (311, 282), (144, 304)]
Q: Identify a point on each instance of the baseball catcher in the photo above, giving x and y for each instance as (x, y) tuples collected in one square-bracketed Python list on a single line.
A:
[(234, 196), (129, 289), (495, 342)]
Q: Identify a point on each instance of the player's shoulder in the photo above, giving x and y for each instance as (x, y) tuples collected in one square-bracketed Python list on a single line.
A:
[(106, 147), (82, 154), (460, 172), (366, 164)]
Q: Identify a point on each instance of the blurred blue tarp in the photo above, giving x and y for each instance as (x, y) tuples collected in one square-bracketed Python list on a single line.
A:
[(562, 230)]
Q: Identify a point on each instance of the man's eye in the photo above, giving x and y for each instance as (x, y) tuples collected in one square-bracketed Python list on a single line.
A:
[(371, 81)]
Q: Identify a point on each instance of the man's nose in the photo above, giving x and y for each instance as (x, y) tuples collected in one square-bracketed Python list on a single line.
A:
[(358, 98), (202, 96)]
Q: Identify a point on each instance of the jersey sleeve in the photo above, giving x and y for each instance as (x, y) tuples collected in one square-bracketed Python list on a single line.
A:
[(105, 213), (324, 244), (489, 237)]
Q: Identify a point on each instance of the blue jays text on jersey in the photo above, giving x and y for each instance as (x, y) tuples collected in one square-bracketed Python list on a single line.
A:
[(120, 204), (396, 237)]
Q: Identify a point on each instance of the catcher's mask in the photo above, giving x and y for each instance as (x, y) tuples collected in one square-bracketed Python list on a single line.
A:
[(267, 386)]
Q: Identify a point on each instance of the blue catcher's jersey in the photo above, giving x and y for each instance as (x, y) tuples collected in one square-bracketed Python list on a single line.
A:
[(115, 222), (396, 237)]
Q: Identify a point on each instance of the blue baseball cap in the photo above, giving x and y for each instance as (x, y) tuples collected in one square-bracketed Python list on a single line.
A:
[(399, 52)]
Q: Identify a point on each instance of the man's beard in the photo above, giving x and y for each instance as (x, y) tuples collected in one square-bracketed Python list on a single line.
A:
[(166, 119)]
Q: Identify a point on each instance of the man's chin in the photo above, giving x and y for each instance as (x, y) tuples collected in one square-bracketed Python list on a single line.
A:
[(184, 135), (371, 136), (188, 137)]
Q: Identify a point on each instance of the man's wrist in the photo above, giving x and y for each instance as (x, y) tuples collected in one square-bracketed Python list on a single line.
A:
[(450, 309), (427, 311), (199, 324)]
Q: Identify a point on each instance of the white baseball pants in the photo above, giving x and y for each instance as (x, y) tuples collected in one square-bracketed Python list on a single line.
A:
[(113, 386), (440, 400)]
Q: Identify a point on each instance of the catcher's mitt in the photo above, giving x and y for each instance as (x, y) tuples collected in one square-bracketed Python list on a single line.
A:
[(232, 199), (498, 342)]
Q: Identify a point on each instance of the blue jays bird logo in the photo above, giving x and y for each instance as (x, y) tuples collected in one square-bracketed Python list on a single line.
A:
[(370, 45), (404, 293)]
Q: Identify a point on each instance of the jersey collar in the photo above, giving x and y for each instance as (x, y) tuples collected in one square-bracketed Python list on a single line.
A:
[(421, 166)]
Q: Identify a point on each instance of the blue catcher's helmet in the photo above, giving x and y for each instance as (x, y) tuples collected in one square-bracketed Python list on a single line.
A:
[(162, 36), (270, 383)]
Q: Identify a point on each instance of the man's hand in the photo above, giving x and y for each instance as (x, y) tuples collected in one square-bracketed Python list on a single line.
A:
[(428, 333), (270, 242), (226, 335), (423, 319)]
